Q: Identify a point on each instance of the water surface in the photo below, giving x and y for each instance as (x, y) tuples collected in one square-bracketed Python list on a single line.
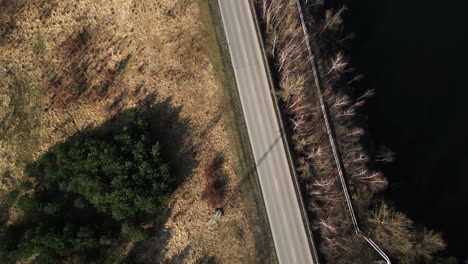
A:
[(414, 53)]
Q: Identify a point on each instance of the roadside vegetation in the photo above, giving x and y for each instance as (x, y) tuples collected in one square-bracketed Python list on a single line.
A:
[(297, 94)]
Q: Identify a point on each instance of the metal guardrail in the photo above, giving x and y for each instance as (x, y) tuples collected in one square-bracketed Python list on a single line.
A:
[(332, 140)]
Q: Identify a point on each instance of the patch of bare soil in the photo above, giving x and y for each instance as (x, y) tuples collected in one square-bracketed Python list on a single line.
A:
[(67, 65)]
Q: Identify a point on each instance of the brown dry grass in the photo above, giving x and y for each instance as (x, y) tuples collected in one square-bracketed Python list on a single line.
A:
[(85, 61)]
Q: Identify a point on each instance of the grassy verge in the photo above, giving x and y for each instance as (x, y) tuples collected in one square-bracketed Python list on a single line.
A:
[(252, 193), (20, 113)]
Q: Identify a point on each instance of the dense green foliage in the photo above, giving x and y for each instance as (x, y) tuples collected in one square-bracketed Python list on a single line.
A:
[(85, 194)]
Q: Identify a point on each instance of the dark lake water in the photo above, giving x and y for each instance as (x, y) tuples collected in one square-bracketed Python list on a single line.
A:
[(414, 54)]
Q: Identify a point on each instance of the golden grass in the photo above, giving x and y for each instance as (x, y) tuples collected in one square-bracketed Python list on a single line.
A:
[(89, 60)]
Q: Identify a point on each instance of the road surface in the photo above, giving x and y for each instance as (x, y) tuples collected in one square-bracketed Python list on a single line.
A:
[(290, 235)]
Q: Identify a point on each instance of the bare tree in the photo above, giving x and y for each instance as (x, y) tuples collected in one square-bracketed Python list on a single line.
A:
[(332, 19), (385, 155), (339, 64)]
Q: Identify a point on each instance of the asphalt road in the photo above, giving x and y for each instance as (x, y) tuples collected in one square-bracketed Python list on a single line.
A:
[(284, 210)]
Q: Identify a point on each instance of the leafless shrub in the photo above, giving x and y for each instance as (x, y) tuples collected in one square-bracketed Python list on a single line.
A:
[(332, 19), (385, 155), (214, 191)]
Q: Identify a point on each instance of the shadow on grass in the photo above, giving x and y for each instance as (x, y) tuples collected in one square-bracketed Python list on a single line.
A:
[(179, 148), (146, 253), (167, 127), (174, 135)]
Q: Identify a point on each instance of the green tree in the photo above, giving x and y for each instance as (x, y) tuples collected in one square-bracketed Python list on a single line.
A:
[(84, 194)]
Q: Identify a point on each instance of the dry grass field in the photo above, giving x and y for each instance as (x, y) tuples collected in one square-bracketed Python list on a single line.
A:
[(67, 65)]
